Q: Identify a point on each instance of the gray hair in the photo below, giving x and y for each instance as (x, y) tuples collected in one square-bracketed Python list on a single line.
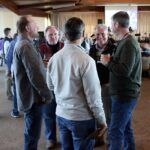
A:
[(101, 26), (50, 27), (122, 18)]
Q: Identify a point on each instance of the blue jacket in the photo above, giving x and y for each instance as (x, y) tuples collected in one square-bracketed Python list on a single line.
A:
[(9, 56)]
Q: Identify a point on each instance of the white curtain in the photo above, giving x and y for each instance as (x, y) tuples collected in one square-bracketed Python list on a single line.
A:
[(89, 18), (144, 22)]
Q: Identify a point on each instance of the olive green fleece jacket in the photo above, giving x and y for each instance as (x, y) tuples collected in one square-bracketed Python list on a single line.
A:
[(125, 69)]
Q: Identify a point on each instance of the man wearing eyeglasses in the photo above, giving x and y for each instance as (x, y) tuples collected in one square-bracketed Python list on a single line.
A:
[(52, 44), (48, 49)]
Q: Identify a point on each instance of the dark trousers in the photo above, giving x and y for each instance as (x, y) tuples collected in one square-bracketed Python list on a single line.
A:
[(32, 129), (49, 116)]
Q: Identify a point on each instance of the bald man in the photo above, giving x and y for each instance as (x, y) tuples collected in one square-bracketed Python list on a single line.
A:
[(30, 81)]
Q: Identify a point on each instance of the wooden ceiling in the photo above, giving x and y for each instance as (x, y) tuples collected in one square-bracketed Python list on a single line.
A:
[(43, 7)]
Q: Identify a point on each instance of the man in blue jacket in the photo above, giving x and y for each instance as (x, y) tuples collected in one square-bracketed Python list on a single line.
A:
[(9, 57)]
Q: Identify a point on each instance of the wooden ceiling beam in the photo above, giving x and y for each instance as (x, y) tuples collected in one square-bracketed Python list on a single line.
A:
[(143, 8), (80, 8), (33, 12), (46, 4), (10, 5), (80, 5), (13, 7), (130, 1), (104, 2), (46, 9)]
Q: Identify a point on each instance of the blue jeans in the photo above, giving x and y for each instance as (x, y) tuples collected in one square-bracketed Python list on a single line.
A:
[(15, 106), (33, 122), (120, 129), (73, 134), (49, 116)]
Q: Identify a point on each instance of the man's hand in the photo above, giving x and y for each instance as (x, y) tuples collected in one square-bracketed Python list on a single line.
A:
[(102, 130), (105, 59), (45, 63), (98, 133)]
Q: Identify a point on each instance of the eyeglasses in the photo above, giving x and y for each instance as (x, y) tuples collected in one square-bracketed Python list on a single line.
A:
[(53, 35)]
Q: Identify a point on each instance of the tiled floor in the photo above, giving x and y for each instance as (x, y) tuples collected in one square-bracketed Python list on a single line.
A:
[(11, 130)]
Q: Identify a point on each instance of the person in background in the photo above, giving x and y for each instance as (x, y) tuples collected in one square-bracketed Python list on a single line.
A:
[(93, 39), (145, 52), (125, 81), (72, 75), (9, 57), (1, 51), (30, 81), (131, 30), (7, 40), (86, 44), (104, 45), (48, 49)]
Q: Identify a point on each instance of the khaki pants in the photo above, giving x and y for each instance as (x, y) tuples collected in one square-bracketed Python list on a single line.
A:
[(9, 87)]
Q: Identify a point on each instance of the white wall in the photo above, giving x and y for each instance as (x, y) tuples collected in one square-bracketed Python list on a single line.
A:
[(9, 19), (131, 10)]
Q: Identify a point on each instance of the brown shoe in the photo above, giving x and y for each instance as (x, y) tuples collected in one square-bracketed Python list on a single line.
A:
[(50, 145)]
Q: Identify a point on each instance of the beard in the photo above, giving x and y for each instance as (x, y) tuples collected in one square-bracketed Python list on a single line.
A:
[(52, 42)]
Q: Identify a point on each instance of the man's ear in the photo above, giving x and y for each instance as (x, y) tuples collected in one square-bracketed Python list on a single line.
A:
[(116, 24), (27, 28)]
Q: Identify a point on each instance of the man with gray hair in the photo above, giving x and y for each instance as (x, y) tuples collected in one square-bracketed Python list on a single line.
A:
[(125, 81), (104, 45), (73, 77)]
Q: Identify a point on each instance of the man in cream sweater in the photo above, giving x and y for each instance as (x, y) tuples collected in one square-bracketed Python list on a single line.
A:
[(73, 77)]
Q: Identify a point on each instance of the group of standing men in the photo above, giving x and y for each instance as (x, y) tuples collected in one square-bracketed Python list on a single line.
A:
[(72, 84)]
